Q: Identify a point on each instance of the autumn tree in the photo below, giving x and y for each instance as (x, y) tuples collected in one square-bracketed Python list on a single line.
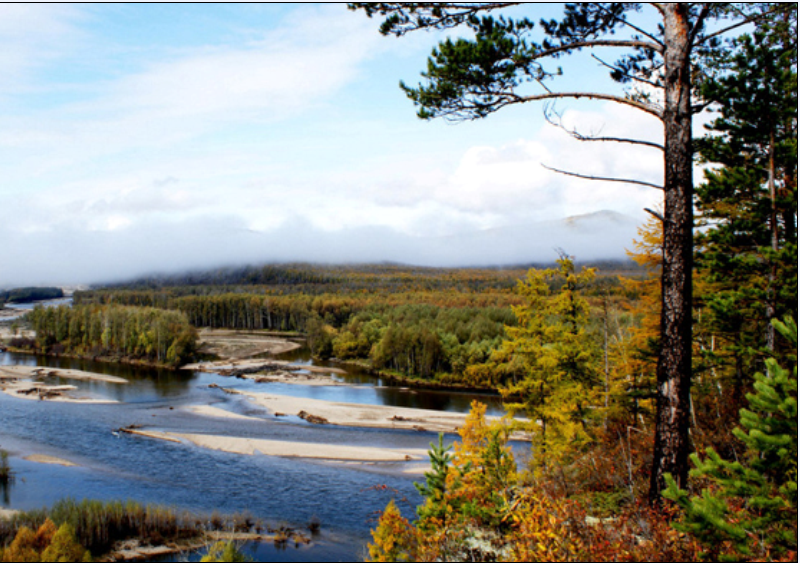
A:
[(470, 78), (549, 366)]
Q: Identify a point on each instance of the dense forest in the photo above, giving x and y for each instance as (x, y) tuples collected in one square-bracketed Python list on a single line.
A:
[(141, 334), (424, 324)]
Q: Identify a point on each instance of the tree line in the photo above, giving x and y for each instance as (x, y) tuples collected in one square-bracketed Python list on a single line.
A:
[(30, 294)]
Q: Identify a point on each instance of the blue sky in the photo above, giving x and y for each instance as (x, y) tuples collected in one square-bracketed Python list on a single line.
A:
[(139, 138)]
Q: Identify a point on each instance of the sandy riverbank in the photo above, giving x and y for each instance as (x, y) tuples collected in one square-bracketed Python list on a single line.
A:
[(27, 382), (361, 416)]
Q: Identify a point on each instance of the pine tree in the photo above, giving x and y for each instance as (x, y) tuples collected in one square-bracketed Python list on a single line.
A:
[(435, 484), (751, 509), (747, 206)]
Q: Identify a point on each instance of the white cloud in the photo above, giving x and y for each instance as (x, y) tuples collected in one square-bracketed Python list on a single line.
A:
[(236, 152), (32, 36)]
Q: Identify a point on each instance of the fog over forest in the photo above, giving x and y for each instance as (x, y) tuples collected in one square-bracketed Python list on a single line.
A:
[(93, 257)]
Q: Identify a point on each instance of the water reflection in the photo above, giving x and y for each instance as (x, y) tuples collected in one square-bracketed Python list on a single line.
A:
[(5, 492)]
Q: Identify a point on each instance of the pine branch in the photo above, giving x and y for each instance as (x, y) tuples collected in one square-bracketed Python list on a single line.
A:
[(652, 110), (581, 137), (603, 179)]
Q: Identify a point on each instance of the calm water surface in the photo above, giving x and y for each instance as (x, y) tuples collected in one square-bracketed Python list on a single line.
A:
[(344, 497)]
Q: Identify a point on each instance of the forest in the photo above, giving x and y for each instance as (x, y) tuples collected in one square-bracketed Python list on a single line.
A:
[(425, 325), (660, 398), (674, 439), (30, 294), (140, 334)]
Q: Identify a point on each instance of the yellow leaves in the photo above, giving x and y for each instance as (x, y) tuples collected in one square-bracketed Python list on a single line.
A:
[(48, 543), (394, 538)]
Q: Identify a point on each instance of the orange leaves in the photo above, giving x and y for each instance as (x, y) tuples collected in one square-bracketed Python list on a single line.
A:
[(48, 543)]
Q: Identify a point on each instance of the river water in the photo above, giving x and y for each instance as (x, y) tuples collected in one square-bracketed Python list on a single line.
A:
[(344, 497)]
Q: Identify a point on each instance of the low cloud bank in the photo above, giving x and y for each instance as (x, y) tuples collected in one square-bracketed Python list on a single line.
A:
[(71, 256)]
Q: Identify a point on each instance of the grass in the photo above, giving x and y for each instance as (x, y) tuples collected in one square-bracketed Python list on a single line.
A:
[(100, 525)]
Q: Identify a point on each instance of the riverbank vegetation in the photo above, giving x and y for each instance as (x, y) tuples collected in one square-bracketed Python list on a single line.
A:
[(76, 531), (479, 505), (412, 324), (30, 294), (140, 334), (708, 363)]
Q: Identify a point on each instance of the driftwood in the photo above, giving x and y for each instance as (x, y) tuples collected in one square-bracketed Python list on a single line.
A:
[(313, 419)]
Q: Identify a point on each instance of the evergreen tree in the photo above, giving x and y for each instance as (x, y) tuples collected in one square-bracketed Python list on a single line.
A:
[(747, 206), (752, 506), (435, 482)]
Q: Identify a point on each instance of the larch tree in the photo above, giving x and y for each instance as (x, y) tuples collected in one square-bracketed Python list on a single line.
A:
[(503, 65)]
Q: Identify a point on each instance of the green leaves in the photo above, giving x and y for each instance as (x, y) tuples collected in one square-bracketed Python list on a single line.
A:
[(435, 482)]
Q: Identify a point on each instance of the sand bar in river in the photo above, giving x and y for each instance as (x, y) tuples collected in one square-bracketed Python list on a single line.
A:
[(252, 446), (24, 382), (50, 460), (361, 416)]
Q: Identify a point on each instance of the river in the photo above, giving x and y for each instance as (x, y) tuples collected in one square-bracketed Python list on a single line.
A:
[(344, 497)]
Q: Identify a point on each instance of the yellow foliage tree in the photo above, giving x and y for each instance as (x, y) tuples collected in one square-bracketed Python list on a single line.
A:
[(46, 544), (22, 548), (482, 512), (393, 538), (550, 365), (64, 547), (635, 359)]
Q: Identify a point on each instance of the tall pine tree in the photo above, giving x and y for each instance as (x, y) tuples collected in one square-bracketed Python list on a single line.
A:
[(747, 206)]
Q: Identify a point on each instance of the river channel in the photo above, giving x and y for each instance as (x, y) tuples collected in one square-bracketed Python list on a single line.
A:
[(345, 497)]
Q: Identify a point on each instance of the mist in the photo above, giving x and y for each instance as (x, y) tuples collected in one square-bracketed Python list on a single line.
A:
[(71, 255)]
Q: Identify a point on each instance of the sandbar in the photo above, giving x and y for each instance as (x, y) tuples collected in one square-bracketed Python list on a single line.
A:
[(362, 416), (30, 372), (305, 450), (272, 371), (21, 382), (37, 391), (38, 458)]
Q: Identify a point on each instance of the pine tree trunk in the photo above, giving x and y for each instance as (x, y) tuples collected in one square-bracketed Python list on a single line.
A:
[(671, 448)]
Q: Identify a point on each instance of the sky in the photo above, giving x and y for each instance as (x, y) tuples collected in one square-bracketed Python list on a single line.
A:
[(137, 139)]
